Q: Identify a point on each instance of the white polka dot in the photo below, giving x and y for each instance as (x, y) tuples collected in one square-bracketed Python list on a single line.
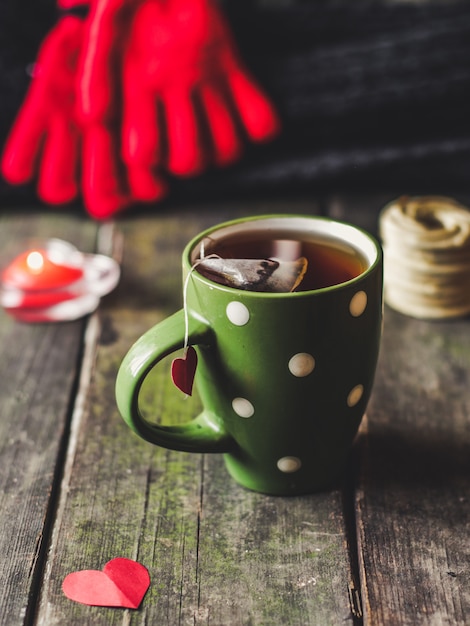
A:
[(358, 303), (243, 407), (289, 464), (301, 364), (237, 313), (355, 395)]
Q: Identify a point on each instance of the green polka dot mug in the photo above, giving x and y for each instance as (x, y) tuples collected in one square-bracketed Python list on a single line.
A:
[(284, 376)]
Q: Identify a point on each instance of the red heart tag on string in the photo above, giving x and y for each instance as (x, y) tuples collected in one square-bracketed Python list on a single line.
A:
[(183, 370), (122, 583)]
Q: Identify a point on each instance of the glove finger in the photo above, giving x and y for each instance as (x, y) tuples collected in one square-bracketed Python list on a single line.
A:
[(103, 36), (102, 187), (256, 112), (140, 125), (58, 170), (141, 145), (23, 146), (186, 156), (226, 143), (145, 185)]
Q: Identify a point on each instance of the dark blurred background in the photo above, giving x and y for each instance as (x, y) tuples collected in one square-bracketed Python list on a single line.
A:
[(372, 94)]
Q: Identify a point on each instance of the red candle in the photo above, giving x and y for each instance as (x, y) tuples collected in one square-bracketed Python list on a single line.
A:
[(34, 271), (20, 299)]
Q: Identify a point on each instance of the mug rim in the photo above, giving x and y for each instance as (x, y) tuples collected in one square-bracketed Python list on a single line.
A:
[(373, 255)]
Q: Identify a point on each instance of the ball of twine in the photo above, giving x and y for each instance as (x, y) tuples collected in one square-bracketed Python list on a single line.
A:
[(426, 243)]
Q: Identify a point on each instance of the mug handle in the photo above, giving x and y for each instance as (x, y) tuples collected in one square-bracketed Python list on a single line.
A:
[(206, 432)]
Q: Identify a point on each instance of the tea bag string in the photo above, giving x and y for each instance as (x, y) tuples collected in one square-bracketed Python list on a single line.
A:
[(185, 297)]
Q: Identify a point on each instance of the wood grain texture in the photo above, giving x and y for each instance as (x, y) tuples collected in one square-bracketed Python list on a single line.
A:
[(38, 371), (217, 554), (412, 498), (78, 488)]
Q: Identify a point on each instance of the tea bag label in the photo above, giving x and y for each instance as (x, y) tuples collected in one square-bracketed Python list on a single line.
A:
[(267, 275), (183, 370)]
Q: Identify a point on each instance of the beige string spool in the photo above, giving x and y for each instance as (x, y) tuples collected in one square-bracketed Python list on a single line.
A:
[(426, 243)]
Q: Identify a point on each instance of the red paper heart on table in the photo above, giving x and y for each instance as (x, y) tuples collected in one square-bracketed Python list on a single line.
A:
[(121, 583), (183, 370)]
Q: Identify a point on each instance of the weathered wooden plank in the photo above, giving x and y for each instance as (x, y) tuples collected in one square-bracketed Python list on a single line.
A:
[(38, 372), (412, 499), (268, 560), (217, 554)]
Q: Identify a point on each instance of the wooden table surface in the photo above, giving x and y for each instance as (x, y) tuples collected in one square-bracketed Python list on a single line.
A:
[(78, 488)]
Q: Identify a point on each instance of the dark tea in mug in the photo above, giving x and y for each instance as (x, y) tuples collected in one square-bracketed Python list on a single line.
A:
[(322, 262)]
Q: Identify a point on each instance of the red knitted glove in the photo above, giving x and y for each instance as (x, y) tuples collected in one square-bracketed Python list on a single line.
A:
[(185, 91), (47, 138), (173, 54)]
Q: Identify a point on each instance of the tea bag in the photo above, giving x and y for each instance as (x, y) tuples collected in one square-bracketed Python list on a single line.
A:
[(268, 275)]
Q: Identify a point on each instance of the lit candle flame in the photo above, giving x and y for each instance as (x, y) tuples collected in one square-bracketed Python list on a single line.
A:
[(35, 261)]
